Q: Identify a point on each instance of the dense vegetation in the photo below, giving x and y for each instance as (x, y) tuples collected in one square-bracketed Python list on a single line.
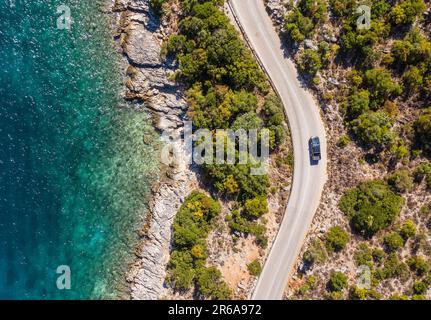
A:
[(187, 267), (225, 89), (224, 83), (378, 81)]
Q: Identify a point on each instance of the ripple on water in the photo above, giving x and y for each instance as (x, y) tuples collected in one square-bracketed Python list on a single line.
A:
[(74, 171)]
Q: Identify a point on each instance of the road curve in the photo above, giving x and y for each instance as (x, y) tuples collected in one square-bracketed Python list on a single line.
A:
[(304, 119)]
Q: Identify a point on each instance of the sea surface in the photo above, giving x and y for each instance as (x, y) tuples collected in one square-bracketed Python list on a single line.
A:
[(75, 161)]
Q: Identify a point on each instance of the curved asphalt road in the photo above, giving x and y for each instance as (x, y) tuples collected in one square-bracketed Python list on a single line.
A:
[(304, 119)]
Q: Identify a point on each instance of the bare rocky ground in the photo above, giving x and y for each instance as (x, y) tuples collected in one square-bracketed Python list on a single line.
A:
[(346, 169), (140, 35)]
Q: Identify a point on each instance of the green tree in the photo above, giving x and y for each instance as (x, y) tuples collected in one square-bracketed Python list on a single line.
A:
[(181, 270), (273, 110), (310, 62), (192, 224), (381, 85), (247, 121), (211, 285), (406, 11), (373, 129), (371, 207), (358, 103), (297, 26)]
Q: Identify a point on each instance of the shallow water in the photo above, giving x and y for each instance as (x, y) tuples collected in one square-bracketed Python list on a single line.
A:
[(75, 172)]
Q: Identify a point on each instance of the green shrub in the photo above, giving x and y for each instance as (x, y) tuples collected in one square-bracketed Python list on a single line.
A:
[(393, 268), (254, 268), (378, 255), (316, 252), (356, 293), (181, 270), (419, 265), (256, 207), (363, 255), (401, 181), (425, 211), (413, 80), (371, 207), (192, 224), (193, 221), (157, 6), (381, 85), (343, 141), (337, 282), (310, 62), (373, 129), (406, 11), (423, 171), (336, 239), (393, 241), (210, 284), (358, 103), (308, 285), (408, 229), (420, 287), (238, 223), (423, 129), (398, 297), (297, 26)]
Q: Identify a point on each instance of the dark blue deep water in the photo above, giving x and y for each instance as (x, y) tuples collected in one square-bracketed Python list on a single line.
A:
[(74, 169)]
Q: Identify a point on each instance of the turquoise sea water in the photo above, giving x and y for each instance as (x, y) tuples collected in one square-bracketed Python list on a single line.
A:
[(74, 169)]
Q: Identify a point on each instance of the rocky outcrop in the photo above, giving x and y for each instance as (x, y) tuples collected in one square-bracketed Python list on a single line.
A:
[(276, 9), (147, 81)]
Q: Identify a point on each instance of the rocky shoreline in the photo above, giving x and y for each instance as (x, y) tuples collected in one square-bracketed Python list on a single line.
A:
[(140, 34)]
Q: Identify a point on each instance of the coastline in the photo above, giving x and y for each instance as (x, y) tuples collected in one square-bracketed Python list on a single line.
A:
[(140, 35)]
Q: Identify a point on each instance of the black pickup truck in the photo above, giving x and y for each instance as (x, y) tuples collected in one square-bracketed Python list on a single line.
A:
[(315, 152)]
